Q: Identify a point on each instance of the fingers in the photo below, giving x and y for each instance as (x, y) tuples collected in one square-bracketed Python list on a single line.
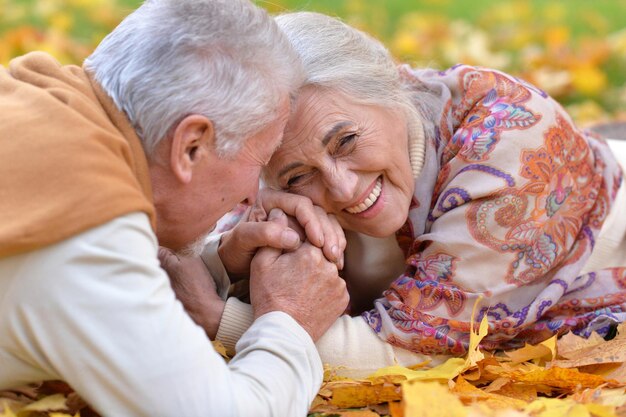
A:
[(293, 224), (297, 206), (238, 246), (265, 256), (277, 216), (341, 242), (334, 237), (321, 229), (274, 233), (341, 238), (168, 259)]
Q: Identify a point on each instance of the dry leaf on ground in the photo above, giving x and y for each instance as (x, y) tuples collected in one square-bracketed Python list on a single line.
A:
[(524, 382)]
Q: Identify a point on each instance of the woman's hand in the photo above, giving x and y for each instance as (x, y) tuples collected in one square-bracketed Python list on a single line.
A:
[(306, 222)]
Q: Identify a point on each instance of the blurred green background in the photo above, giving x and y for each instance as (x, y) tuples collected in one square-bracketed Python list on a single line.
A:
[(574, 49)]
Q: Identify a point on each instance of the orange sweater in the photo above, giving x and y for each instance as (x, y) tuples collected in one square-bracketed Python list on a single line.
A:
[(69, 159)]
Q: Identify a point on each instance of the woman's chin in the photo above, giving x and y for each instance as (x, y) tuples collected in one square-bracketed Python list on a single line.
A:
[(380, 227)]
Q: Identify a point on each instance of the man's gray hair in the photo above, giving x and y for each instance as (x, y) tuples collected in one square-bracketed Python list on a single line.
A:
[(341, 58), (224, 59)]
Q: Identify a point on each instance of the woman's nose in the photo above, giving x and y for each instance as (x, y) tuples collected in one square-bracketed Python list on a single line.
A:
[(340, 184)]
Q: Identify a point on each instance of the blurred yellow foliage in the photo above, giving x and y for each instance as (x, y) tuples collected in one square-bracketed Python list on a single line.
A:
[(578, 63), (588, 80), (56, 27)]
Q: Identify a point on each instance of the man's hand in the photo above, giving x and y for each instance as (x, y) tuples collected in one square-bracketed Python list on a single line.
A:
[(307, 222), (302, 283), (195, 288)]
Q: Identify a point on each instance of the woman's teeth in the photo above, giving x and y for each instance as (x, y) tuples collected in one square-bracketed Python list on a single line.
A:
[(369, 201)]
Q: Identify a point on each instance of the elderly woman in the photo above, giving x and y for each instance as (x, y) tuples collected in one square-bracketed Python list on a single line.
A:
[(478, 188)]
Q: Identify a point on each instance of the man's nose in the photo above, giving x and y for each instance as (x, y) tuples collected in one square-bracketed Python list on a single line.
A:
[(252, 194)]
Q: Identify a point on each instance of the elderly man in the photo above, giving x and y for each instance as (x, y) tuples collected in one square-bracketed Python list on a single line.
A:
[(163, 130)]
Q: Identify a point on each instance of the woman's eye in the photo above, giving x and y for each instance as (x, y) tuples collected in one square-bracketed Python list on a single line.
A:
[(346, 140), (294, 180)]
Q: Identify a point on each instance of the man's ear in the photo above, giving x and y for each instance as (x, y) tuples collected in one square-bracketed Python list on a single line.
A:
[(192, 140)]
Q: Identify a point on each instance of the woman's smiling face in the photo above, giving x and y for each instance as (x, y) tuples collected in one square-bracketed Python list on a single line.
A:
[(350, 159)]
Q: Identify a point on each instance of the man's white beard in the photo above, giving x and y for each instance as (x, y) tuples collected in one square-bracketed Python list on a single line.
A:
[(194, 248)]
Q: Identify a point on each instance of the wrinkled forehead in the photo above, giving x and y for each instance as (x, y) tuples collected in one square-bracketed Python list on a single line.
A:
[(314, 107), (314, 114)]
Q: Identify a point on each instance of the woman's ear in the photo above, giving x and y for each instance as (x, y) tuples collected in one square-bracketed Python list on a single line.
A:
[(192, 141)]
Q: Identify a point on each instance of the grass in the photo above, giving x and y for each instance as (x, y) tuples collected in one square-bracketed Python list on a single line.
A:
[(583, 17)]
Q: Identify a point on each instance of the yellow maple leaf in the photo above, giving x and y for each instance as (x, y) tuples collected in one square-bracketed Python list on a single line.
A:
[(559, 378), (613, 351), (569, 344), (430, 399), (497, 384), (616, 371), (388, 379), (474, 355), (545, 350), (447, 370), (550, 344), (468, 393), (522, 392), (453, 366), (361, 395)]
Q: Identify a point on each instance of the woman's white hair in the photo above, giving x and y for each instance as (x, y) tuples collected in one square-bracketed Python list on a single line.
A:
[(224, 59), (341, 58)]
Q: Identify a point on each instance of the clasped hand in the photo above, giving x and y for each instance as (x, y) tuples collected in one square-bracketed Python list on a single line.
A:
[(305, 221), (290, 249)]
